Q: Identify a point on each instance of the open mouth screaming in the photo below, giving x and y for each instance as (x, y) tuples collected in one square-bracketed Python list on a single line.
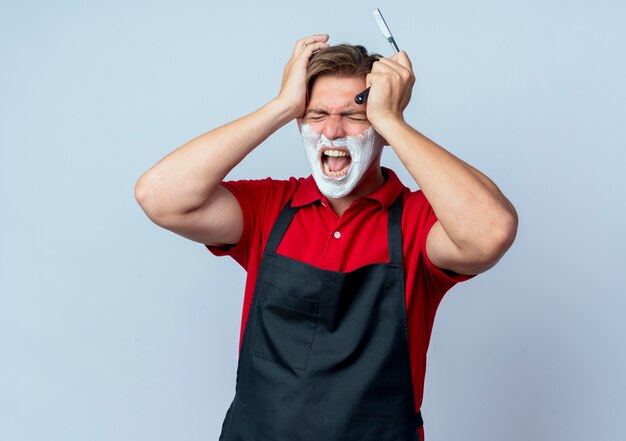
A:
[(338, 165), (335, 162)]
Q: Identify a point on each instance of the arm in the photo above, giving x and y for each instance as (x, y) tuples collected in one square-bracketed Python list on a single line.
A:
[(476, 222), (182, 193)]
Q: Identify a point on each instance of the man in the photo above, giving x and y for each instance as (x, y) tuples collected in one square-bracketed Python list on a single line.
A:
[(346, 268)]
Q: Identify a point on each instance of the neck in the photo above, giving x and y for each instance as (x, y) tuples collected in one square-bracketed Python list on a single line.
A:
[(370, 182)]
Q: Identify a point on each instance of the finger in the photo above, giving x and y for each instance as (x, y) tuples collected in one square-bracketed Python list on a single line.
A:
[(371, 78), (308, 50), (403, 59), (393, 65), (388, 65), (313, 47), (303, 42), (385, 64)]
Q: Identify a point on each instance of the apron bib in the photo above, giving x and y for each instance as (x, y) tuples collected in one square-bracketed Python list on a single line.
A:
[(325, 354)]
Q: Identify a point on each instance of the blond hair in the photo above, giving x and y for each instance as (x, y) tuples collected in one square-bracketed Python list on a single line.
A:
[(342, 60)]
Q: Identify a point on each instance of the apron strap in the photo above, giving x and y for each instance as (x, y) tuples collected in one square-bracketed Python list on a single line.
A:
[(418, 419), (394, 229), (394, 241), (280, 227)]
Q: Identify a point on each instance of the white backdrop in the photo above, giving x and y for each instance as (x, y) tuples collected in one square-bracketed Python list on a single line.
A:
[(114, 329)]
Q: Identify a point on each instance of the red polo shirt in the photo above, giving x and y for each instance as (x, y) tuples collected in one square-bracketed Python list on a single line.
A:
[(319, 237)]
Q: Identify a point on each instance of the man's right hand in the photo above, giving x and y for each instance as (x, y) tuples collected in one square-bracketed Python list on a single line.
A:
[(293, 86)]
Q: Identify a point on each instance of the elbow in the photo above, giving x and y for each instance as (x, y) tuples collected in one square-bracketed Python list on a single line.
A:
[(489, 244), (509, 229), (141, 193), (502, 237), (143, 197)]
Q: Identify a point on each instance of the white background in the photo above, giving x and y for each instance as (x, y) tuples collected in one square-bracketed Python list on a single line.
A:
[(112, 328)]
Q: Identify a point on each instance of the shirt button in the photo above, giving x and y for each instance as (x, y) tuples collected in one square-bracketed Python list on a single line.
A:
[(337, 234)]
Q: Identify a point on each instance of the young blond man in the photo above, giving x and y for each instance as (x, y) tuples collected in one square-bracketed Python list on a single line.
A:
[(346, 267)]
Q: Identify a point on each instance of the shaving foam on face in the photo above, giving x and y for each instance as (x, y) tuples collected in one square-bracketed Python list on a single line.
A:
[(363, 150)]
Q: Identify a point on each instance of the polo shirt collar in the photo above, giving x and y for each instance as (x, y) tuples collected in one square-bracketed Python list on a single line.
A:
[(308, 193)]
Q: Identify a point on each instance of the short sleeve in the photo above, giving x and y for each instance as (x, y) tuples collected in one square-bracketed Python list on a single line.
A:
[(260, 201), (244, 197), (441, 273), (418, 219)]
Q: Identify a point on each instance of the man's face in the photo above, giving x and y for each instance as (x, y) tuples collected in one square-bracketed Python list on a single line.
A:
[(331, 110), (341, 144)]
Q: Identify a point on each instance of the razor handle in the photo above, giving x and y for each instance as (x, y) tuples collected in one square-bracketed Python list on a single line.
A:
[(361, 98)]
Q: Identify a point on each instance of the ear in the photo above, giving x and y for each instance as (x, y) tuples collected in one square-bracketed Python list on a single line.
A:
[(299, 122)]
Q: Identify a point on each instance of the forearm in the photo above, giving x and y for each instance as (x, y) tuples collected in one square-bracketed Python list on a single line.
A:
[(186, 178), (471, 209)]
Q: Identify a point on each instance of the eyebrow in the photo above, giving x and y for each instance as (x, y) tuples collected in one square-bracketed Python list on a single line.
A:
[(344, 113)]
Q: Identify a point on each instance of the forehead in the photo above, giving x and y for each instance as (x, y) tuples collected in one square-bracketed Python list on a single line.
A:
[(335, 94)]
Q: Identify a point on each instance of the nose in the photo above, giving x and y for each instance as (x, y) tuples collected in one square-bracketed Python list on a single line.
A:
[(333, 127)]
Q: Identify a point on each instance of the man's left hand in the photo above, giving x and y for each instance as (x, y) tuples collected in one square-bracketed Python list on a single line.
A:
[(391, 82)]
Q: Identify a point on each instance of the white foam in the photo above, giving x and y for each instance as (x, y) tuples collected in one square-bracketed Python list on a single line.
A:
[(363, 149)]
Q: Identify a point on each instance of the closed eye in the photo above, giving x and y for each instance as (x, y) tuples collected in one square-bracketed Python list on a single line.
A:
[(356, 119)]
